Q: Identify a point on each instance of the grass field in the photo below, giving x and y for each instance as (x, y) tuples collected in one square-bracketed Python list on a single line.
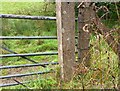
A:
[(102, 57)]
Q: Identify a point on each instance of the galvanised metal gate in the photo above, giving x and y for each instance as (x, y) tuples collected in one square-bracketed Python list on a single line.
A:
[(24, 56)]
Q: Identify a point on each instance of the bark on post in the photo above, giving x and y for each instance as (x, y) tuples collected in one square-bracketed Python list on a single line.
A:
[(119, 59), (66, 38), (84, 16)]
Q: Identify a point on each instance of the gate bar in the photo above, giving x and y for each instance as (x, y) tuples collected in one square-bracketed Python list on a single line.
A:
[(20, 56), (21, 75), (28, 65), (27, 37), (29, 54), (12, 16), (12, 84), (21, 83)]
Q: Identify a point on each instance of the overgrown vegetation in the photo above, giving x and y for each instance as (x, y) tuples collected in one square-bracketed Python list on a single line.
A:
[(103, 72)]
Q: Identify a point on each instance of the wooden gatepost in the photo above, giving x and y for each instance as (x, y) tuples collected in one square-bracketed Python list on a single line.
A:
[(66, 38), (84, 17)]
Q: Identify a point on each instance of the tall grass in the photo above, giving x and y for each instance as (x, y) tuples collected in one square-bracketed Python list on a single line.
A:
[(103, 72)]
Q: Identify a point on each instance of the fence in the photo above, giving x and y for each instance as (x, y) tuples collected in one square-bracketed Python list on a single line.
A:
[(15, 54)]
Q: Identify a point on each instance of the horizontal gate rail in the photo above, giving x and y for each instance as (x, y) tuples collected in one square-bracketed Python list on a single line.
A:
[(20, 56), (27, 74), (27, 37), (13, 84), (29, 54), (28, 65), (12, 16)]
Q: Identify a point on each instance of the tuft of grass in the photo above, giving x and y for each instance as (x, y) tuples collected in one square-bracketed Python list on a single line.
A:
[(105, 63)]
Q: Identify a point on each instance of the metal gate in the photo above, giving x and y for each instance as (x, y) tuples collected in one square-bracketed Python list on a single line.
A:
[(25, 56)]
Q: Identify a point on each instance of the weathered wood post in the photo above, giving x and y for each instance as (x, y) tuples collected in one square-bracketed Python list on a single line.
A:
[(66, 38), (119, 59), (84, 18)]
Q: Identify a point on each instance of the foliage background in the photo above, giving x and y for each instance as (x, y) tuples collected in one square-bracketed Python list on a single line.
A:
[(102, 56)]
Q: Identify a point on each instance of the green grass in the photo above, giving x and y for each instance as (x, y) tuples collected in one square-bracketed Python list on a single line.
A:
[(15, 27), (106, 62), (27, 8)]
